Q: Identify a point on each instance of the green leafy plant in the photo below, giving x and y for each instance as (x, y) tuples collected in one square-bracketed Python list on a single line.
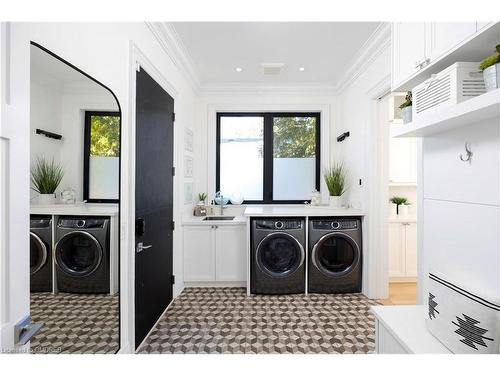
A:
[(408, 101), (202, 197), (335, 179), (399, 201), (46, 176), (491, 60)]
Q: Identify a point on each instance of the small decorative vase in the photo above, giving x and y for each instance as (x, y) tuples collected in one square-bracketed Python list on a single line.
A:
[(46, 199), (491, 76), (335, 201), (406, 114)]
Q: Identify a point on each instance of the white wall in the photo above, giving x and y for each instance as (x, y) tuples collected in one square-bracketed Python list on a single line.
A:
[(62, 111), (243, 101), (79, 43)]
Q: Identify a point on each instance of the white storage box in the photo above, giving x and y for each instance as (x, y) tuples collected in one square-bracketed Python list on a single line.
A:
[(455, 84), (464, 321)]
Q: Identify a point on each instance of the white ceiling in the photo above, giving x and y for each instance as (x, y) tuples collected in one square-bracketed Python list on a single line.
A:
[(324, 49), (50, 71)]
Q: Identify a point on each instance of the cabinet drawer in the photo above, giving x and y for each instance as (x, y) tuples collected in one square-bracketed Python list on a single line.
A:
[(446, 177), (461, 241)]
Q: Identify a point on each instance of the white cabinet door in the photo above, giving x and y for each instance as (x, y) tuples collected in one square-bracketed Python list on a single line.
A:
[(396, 250), (408, 48), (199, 253), (411, 249), (443, 36), (403, 160), (230, 255)]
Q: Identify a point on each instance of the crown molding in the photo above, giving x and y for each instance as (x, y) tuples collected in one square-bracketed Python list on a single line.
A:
[(268, 88), (173, 46), (377, 43)]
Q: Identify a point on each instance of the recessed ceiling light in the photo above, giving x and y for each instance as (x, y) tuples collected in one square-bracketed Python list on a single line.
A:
[(239, 70), (301, 69)]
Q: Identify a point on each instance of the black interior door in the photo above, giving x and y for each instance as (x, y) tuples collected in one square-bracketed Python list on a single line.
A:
[(153, 203)]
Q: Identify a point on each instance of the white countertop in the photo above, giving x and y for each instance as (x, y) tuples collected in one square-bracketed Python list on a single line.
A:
[(407, 325), (83, 209), (199, 220), (301, 210)]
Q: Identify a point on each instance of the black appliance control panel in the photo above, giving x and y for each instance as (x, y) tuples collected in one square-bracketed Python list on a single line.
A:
[(279, 224), (332, 224)]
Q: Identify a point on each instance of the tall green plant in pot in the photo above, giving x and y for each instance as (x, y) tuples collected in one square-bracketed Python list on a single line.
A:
[(490, 67), (45, 178), (335, 178)]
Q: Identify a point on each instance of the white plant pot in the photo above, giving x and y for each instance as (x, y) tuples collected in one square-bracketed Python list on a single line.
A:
[(406, 114), (491, 76), (394, 210), (335, 201), (46, 199), (403, 210)]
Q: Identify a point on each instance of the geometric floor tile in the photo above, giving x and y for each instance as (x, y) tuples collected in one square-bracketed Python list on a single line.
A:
[(75, 323), (226, 320)]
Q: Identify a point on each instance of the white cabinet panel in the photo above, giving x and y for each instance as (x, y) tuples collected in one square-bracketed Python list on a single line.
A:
[(408, 48), (403, 160), (386, 343), (396, 250), (411, 249), (462, 242), (446, 177), (199, 253), (230, 253), (444, 36)]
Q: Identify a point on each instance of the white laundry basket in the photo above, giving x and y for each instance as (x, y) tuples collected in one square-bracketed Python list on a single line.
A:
[(455, 84)]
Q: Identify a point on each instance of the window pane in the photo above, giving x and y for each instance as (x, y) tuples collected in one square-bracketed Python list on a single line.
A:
[(294, 157), (104, 163), (241, 156)]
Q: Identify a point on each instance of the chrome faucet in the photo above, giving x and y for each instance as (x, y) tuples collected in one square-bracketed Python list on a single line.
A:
[(221, 200)]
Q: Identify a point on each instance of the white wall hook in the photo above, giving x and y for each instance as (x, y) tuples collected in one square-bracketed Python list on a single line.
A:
[(468, 157)]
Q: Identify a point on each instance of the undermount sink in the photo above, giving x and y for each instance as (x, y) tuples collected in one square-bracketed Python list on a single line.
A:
[(210, 218)]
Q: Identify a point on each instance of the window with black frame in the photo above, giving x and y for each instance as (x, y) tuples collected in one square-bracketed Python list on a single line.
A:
[(268, 157), (101, 157)]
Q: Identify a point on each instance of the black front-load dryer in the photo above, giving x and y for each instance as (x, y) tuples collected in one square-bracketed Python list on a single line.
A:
[(277, 256), (335, 255), (82, 254), (40, 253)]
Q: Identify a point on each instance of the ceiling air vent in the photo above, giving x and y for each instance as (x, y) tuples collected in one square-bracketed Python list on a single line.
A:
[(272, 69)]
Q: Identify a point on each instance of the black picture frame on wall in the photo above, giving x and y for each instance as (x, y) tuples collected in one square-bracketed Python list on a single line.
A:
[(86, 155)]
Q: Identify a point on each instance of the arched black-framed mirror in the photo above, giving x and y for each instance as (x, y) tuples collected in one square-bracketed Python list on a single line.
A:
[(75, 151)]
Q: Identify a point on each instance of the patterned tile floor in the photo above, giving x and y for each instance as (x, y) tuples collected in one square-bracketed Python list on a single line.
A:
[(75, 323), (226, 320)]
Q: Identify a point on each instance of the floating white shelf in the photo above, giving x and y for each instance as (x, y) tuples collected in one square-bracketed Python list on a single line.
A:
[(471, 111)]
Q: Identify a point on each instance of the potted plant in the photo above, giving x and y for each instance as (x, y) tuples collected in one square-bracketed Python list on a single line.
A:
[(399, 201), (201, 198), (335, 182), (490, 67), (45, 178), (406, 108)]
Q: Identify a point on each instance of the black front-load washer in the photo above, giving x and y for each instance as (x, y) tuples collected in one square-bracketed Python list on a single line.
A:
[(277, 256), (82, 254), (40, 253), (335, 255)]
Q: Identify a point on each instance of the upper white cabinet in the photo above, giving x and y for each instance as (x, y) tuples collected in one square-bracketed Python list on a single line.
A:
[(403, 161), (416, 46), (408, 49), (441, 37)]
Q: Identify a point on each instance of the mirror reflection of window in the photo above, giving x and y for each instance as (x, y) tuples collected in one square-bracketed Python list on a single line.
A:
[(102, 156)]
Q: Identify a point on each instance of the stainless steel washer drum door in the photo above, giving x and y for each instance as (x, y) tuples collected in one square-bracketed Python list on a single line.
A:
[(279, 254), (38, 253), (335, 254), (78, 253)]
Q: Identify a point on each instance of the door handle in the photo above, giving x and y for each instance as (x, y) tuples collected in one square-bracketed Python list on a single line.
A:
[(141, 247)]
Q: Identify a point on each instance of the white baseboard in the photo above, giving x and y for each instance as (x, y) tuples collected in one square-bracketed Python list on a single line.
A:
[(403, 279), (215, 284)]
